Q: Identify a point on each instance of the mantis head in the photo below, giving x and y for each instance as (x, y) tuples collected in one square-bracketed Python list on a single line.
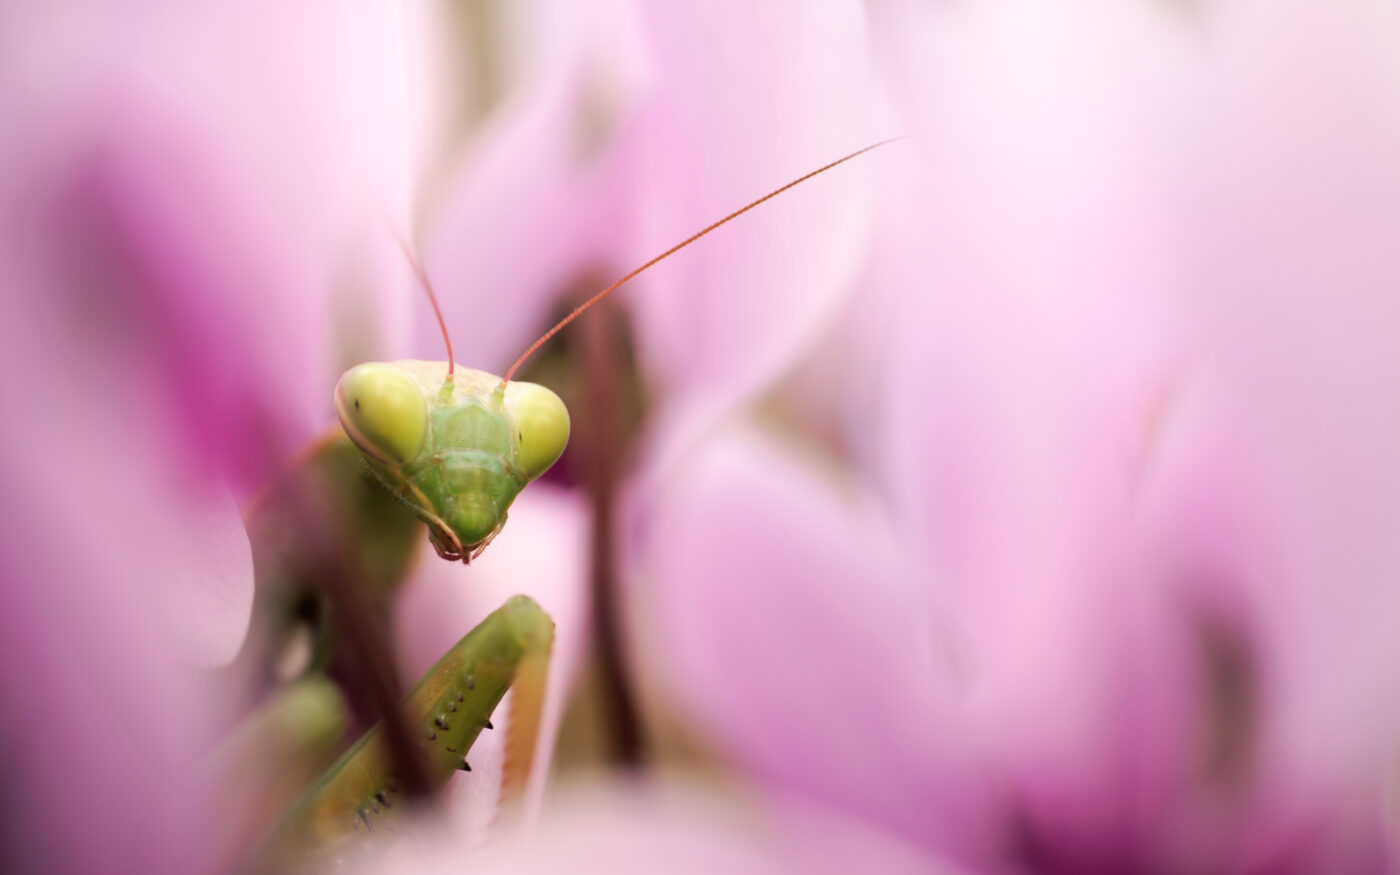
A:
[(456, 449)]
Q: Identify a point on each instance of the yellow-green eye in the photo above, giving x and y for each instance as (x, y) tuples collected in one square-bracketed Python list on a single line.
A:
[(541, 425), (383, 411)]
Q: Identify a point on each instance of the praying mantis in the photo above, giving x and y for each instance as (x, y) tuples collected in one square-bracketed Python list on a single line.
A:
[(454, 446)]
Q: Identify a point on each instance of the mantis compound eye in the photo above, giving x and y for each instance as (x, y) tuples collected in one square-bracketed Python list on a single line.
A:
[(541, 426), (383, 411)]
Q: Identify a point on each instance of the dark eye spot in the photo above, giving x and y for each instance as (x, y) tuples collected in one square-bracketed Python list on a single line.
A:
[(357, 404)]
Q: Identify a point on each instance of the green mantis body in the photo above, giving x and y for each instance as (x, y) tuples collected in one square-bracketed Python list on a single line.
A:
[(456, 446)]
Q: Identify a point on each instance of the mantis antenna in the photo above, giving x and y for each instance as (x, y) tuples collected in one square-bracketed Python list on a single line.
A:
[(432, 299), (581, 308)]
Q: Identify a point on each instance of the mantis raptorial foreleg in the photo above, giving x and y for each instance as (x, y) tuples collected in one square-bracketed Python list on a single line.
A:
[(447, 709)]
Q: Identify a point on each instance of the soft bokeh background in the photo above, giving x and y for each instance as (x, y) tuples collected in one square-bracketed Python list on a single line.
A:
[(1023, 496)]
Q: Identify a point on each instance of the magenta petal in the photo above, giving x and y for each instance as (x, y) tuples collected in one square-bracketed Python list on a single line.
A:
[(1083, 286), (217, 205), (1037, 343), (623, 145), (510, 241), (532, 208), (172, 231), (1297, 291), (790, 634), (205, 584), (675, 827), (101, 540), (793, 92)]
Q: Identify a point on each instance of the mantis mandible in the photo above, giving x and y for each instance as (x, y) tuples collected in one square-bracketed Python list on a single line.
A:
[(456, 446)]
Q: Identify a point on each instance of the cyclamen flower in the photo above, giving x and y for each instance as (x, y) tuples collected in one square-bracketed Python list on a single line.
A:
[(1021, 498), (1106, 585), (175, 197)]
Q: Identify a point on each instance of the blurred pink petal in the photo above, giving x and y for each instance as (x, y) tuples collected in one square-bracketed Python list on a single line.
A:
[(622, 143), (173, 229), (1300, 287), (673, 827), (1022, 389), (1039, 432), (786, 89), (105, 719), (195, 194), (1065, 339), (787, 630), (533, 205), (207, 584), (1296, 293)]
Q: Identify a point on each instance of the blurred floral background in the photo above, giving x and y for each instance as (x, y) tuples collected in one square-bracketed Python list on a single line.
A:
[(1023, 496)]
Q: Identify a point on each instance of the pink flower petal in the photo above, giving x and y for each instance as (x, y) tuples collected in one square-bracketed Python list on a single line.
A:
[(674, 827), (786, 628), (533, 205), (625, 144), (206, 585), (790, 90), (194, 192)]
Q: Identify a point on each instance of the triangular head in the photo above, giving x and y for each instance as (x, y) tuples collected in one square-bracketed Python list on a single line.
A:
[(458, 449)]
